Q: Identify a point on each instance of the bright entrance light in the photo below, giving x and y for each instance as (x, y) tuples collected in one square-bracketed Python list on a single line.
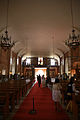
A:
[(41, 71)]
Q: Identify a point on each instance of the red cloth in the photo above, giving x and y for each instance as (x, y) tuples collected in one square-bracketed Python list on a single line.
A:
[(43, 104)]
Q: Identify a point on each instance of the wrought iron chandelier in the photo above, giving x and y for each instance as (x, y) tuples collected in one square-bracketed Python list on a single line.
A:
[(5, 41), (74, 40)]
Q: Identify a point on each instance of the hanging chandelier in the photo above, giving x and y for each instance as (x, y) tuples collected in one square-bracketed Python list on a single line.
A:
[(5, 41), (74, 40)]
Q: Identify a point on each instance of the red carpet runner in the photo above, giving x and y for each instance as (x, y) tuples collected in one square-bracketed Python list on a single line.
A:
[(43, 105)]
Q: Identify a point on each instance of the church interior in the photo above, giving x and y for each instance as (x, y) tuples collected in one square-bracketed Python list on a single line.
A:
[(39, 44)]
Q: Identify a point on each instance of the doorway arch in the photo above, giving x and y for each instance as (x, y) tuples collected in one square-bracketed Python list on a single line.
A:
[(41, 71)]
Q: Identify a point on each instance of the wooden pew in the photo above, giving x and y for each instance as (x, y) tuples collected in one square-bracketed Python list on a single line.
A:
[(13, 90), (13, 87), (76, 106), (64, 90), (4, 105), (4, 89)]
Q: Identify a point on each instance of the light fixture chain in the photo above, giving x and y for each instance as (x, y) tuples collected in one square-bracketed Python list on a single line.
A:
[(72, 14), (7, 13)]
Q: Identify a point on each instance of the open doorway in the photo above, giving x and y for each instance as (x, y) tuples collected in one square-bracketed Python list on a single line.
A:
[(41, 71)]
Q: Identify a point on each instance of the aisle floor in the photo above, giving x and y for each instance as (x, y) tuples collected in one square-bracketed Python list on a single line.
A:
[(43, 104)]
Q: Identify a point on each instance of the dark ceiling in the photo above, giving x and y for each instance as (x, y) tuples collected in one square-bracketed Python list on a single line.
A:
[(39, 27)]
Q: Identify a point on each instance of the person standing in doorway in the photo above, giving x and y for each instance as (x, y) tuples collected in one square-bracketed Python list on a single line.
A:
[(43, 81), (39, 80)]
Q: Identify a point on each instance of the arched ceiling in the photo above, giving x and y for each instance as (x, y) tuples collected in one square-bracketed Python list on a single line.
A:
[(39, 27)]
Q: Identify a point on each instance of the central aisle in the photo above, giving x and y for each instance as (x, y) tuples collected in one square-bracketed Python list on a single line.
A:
[(44, 106)]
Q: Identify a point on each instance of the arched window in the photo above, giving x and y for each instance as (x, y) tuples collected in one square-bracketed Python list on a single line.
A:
[(40, 60), (11, 61), (17, 61), (53, 62), (28, 61)]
